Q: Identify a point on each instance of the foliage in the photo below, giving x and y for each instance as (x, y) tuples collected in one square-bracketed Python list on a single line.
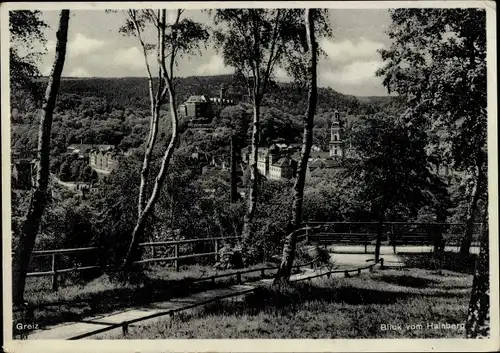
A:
[(389, 170), (229, 258), (437, 63), (26, 31), (271, 223)]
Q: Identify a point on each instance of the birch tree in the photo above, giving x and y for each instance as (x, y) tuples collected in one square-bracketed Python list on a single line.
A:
[(180, 36), (253, 41), (38, 200), (310, 47)]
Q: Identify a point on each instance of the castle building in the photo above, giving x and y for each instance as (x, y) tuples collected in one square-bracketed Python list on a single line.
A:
[(336, 137), (275, 163), (198, 108), (104, 160), (219, 103), (202, 110), (83, 149)]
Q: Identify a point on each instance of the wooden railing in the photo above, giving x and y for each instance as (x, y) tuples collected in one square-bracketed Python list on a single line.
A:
[(311, 231), (398, 233), (54, 272), (176, 245), (126, 324)]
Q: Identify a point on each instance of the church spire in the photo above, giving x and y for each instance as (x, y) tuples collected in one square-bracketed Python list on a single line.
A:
[(336, 136)]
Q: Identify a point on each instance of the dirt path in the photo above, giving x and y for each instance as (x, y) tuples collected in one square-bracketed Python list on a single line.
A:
[(153, 312)]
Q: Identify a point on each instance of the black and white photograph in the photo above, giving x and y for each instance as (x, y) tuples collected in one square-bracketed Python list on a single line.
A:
[(319, 176)]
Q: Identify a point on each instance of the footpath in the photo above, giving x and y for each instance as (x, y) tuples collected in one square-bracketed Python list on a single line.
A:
[(112, 323), (147, 314)]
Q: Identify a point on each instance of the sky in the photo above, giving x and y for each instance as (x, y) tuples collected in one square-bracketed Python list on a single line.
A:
[(97, 49)]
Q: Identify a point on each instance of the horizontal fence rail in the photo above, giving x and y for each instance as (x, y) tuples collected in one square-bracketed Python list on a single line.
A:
[(54, 272), (342, 232), (126, 324), (394, 233)]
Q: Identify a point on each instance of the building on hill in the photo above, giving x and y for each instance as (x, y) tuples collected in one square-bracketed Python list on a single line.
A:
[(105, 160), (284, 168), (276, 163), (221, 102), (201, 110), (198, 108), (83, 149)]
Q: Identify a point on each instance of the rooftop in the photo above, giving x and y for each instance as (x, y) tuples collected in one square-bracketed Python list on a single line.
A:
[(284, 162), (319, 154), (87, 146), (197, 99)]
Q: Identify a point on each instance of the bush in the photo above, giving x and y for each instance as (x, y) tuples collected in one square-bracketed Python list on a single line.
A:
[(229, 258)]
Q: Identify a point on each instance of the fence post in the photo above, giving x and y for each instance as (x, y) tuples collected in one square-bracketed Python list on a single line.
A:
[(393, 239), (359, 271), (263, 272), (176, 255), (238, 277), (382, 263), (307, 234), (125, 328), (55, 285), (346, 273), (216, 250)]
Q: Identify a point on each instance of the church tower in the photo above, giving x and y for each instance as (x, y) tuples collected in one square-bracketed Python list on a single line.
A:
[(336, 137)]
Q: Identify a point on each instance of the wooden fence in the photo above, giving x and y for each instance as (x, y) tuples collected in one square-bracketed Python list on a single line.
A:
[(360, 233), (124, 325), (175, 244), (395, 233), (54, 272)]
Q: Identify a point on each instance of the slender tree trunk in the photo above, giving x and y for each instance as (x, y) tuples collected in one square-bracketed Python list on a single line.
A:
[(38, 198), (155, 104), (252, 197), (155, 116), (477, 192), (138, 231), (478, 318), (234, 181), (288, 255)]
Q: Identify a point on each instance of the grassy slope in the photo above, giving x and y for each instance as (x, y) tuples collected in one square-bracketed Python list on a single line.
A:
[(75, 300), (336, 308)]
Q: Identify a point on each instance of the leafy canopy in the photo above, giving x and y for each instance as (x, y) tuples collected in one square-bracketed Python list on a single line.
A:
[(26, 30), (437, 62)]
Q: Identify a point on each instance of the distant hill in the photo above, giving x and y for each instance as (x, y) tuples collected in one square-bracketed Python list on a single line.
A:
[(388, 104), (116, 110), (132, 92)]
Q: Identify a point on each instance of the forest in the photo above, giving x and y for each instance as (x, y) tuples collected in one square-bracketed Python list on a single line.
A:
[(115, 111)]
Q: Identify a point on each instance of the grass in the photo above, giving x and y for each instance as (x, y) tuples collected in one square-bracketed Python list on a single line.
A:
[(354, 307), (74, 301), (448, 261)]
